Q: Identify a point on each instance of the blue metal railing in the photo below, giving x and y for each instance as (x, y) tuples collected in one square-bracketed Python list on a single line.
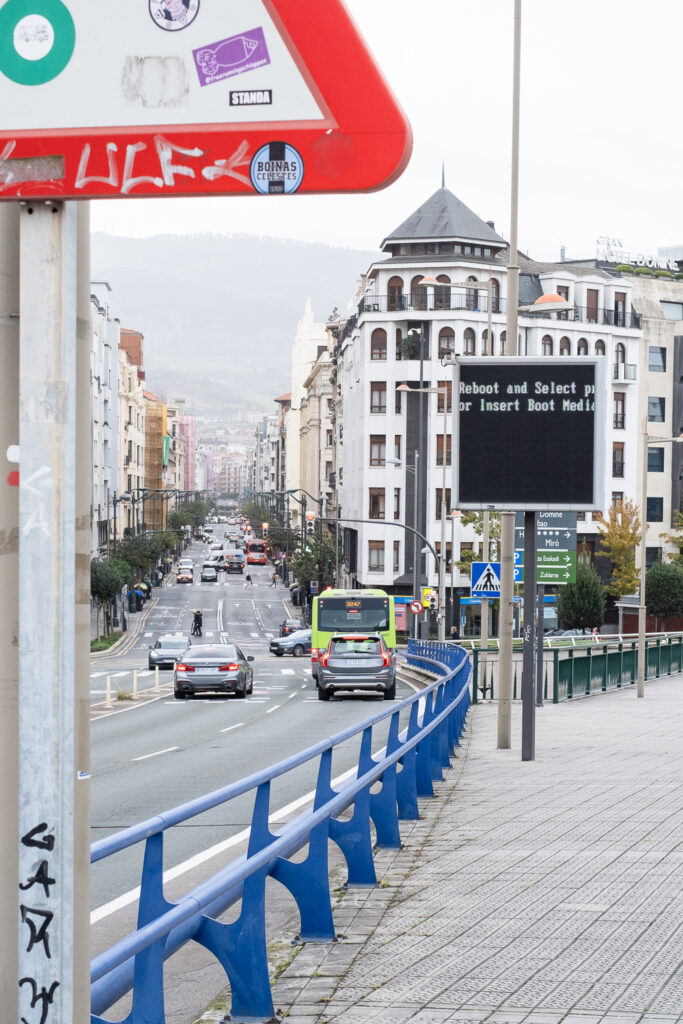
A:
[(413, 757)]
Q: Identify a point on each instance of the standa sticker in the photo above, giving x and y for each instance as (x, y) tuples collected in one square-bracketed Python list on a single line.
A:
[(173, 15), (276, 169), (37, 40)]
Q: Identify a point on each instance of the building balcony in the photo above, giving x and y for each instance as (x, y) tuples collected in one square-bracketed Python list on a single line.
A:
[(465, 300), (624, 372)]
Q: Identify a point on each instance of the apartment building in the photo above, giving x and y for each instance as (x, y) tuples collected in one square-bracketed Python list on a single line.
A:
[(104, 371), (440, 294)]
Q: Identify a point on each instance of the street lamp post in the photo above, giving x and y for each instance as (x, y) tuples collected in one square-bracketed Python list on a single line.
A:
[(416, 569), (640, 675), (441, 616)]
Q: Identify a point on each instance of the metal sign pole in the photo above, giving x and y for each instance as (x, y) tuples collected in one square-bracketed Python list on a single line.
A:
[(528, 694), (47, 557)]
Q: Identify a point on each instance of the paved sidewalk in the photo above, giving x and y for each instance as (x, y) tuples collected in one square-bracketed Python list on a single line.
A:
[(543, 892)]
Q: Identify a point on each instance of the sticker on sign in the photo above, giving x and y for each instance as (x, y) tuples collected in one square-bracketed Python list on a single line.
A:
[(187, 108)]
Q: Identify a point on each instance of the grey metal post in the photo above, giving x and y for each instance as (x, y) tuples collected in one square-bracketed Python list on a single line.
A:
[(540, 621), (47, 512), (9, 605), (529, 636), (485, 601), (416, 566), (507, 609), (81, 865), (441, 618), (642, 652)]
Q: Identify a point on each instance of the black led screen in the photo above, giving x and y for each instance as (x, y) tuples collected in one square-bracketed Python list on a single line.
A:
[(526, 434)]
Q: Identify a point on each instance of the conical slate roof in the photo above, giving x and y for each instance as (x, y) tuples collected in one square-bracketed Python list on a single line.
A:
[(444, 216)]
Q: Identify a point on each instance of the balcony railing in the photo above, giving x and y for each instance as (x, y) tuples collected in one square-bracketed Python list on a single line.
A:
[(476, 301), (624, 371)]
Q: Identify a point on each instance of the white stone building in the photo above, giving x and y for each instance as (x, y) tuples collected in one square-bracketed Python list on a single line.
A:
[(422, 299), (104, 411), (131, 475)]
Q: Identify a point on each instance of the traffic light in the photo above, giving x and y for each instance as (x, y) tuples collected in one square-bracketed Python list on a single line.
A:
[(310, 523)]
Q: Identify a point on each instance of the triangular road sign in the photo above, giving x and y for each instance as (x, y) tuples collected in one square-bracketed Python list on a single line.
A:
[(485, 577), (156, 98)]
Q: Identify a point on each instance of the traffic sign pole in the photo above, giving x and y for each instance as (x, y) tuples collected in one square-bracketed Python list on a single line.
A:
[(529, 636)]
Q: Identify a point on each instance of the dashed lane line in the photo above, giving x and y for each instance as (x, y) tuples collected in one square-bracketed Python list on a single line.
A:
[(231, 727), (270, 710), (157, 753)]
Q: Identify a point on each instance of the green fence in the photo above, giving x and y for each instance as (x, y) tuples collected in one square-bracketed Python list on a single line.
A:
[(579, 671)]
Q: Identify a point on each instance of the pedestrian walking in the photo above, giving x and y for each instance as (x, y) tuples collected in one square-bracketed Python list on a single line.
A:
[(248, 582), (273, 579), (197, 623)]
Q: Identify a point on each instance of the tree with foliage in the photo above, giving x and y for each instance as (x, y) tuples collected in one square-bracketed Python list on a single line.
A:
[(476, 520), (315, 561), (142, 553), (620, 536), (105, 583), (581, 605), (664, 590), (256, 514), (676, 538), (192, 513)]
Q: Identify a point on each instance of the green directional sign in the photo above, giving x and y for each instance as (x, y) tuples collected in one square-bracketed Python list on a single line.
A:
[(552, 567)]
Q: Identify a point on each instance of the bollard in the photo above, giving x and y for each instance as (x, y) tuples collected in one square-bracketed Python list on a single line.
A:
[(135, 684), (156, 678), (108, 703)]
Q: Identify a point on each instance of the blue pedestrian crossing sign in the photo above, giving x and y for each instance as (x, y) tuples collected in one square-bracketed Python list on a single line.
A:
[(486, 579)]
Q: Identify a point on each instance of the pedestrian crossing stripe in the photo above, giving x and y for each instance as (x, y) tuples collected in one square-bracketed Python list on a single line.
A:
[(489, 578)]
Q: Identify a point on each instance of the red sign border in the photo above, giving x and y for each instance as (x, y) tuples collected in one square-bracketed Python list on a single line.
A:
[(363, 143)]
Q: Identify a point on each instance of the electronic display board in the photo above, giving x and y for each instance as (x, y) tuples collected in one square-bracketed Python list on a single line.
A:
[(529, 433)]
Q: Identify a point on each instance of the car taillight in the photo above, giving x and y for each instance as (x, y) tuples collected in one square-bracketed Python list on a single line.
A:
[(315, 651), (325, 658), (185, 668), (228, 668), (386, 658)]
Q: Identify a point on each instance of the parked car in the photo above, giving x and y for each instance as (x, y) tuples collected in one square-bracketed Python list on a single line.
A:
[(357, 661), (185, 576), (213, 668), (297, 644), (209, 574), (234, 562), (165, 651)]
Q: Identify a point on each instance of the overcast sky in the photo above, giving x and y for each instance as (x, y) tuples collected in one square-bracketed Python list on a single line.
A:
[(601, 149)]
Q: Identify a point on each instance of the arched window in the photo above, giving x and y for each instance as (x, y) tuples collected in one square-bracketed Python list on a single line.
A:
[(395, 294), (471, 295), (470, 342), (503, 338), (582, 347), (418, 293), (619, 353), (442, 292), (599, 348), (378, 344), (565, 347), (547, 345), (446, 342), (486, 349), (495, 296)]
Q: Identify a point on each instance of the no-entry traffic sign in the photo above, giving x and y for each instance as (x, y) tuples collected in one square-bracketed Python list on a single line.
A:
[(161, 98)]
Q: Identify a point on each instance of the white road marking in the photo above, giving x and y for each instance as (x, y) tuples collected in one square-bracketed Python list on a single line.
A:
[(126, 673), (149, 634), (208, 633), (270, 710), (288, 671), (95, 675), (253, 634), (145, 672), (166, 750), (291, 696), (303, 686), (231, 727)]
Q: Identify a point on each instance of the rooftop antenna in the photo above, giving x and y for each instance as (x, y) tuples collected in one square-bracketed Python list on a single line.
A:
[(443, 174)]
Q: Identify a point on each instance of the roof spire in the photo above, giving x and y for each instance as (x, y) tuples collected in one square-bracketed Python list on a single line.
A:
[(443, 174)]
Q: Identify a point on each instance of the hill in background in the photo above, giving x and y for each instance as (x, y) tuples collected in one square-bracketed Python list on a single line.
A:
[(219, 313)]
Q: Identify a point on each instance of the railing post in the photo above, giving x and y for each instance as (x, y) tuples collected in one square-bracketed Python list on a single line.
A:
[(475, 675)]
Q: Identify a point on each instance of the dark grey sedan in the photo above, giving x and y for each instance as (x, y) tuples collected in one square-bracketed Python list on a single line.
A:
[(355, 661), (213, 668), (165, 651), (296, 644)]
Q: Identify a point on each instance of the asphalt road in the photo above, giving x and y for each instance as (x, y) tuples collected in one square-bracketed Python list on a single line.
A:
[(150, 757)]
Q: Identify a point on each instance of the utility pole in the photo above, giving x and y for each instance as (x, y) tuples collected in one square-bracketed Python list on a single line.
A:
[(506, 615)]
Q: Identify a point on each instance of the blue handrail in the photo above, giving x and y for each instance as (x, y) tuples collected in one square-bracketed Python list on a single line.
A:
[(411, 760)]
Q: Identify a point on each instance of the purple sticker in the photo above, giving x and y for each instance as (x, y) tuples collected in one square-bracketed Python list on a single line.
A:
[(231, 57)]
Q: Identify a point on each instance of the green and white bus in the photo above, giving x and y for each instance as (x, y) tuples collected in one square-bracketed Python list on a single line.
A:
[(350, 611)]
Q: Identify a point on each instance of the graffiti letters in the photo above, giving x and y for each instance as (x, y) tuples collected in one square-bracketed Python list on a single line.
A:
[(37, 919), (43, 996)]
